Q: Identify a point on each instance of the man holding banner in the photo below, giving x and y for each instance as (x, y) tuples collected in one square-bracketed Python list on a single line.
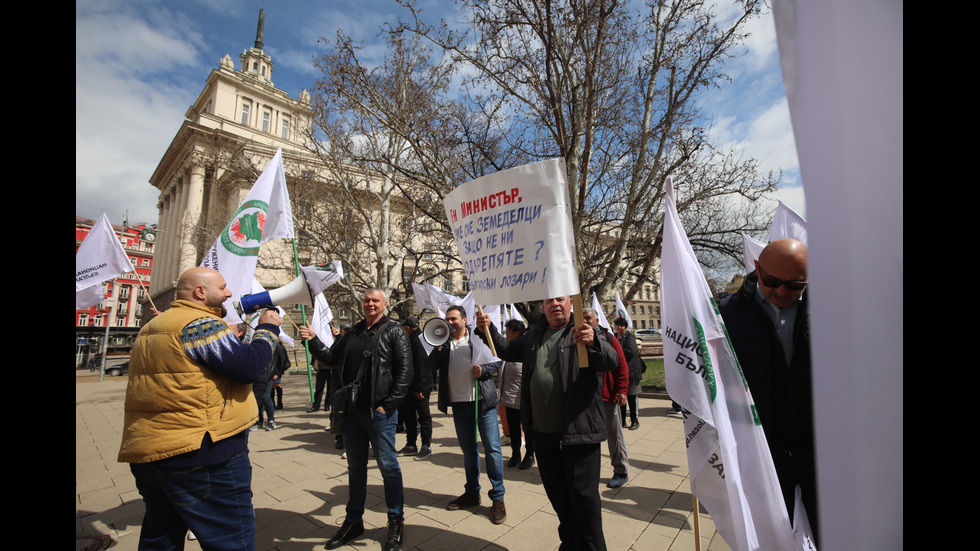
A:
[(561, 404)]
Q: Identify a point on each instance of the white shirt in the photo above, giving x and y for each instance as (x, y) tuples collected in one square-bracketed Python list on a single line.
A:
[(460, 370)]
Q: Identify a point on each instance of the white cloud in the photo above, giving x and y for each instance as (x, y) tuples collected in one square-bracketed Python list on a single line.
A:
[(128, 104)]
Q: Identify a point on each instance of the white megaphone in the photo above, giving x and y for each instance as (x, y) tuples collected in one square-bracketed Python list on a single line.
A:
[(436, 332), (296, 291)]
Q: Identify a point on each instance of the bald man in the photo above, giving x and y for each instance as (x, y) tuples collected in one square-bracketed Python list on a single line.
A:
[(561, 405), (767, 320), (189, 405)]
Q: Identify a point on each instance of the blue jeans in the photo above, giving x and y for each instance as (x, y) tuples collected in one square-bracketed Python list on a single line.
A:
[(372, 426), (464, 419), (266, 405), (213, 501)]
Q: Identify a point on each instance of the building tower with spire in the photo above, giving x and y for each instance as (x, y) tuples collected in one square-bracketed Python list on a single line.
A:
[(229, 134)]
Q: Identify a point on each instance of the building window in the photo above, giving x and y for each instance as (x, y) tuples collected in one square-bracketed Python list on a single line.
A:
[(285, 128), (245, 107), (83, 319), (265, 121)]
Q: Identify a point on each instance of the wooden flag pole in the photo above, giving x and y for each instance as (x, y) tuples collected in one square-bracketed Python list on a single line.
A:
[(493, 349), (583, 354), (697, 524)]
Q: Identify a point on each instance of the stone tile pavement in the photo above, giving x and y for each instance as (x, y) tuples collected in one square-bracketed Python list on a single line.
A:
[(300, 486)]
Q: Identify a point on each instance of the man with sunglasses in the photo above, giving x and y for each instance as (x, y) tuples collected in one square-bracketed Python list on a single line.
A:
[(767, 320)]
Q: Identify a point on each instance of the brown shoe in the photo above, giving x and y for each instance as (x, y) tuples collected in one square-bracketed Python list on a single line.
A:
[(498, 513), (464, 501)]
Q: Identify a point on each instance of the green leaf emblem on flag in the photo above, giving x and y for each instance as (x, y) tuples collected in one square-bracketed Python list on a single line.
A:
[(244, 232)]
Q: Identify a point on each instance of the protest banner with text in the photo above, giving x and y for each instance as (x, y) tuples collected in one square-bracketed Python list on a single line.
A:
[(513, 230)]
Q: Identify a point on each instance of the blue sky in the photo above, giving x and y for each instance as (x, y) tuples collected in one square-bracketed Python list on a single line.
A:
[(140, 65)]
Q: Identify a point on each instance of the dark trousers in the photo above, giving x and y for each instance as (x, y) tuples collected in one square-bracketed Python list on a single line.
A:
[(416, 414), (322, 378), (514, 422), (634, 404), (570, 475)]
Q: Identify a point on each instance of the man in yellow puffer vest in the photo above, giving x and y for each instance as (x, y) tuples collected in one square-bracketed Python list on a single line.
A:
[(189, 405)]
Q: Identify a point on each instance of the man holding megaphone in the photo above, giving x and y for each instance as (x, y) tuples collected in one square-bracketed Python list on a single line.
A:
[(457, 376)]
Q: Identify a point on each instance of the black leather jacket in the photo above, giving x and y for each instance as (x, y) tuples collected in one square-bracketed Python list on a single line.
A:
[(391, 363), (584, 417)]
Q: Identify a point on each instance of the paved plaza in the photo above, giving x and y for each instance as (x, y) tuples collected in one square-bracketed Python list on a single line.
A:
[(300, 486)]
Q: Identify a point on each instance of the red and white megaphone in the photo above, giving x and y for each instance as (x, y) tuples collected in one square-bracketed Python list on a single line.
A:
[(296, 291), (436, 332)]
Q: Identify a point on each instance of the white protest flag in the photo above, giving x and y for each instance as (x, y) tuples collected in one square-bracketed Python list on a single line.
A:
[(89, 296), (264, 215), (513, 230), (321, 320), (99, 258), (421, 293), (622, 313), (751, 249), (440, 299), (514, 314), (731, 471), (493, 310), (603, 322), (321, 276), (481, 352), (787, 223)]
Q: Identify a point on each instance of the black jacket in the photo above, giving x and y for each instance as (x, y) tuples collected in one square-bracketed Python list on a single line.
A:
[(422, 380), (636, 366), (391, 363), (583, 415), (782, 393)]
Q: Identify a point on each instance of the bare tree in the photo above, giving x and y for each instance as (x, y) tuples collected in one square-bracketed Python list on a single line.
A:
[(379, 132), (613, 92)]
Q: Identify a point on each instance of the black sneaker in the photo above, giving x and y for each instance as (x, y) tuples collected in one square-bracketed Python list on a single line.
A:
[(409, 449), (527, 463), (348, 531), (464, 501), (396, 532), (313, 410), (424, 453), (513, 461)]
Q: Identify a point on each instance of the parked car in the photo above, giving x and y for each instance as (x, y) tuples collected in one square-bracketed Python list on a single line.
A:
[(649, 334), (118, 370)]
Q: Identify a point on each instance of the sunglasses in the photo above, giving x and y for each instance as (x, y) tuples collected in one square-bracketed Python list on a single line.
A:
[(773, 282)]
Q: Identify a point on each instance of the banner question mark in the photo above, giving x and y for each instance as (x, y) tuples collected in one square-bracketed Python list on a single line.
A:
[(540, 246)]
